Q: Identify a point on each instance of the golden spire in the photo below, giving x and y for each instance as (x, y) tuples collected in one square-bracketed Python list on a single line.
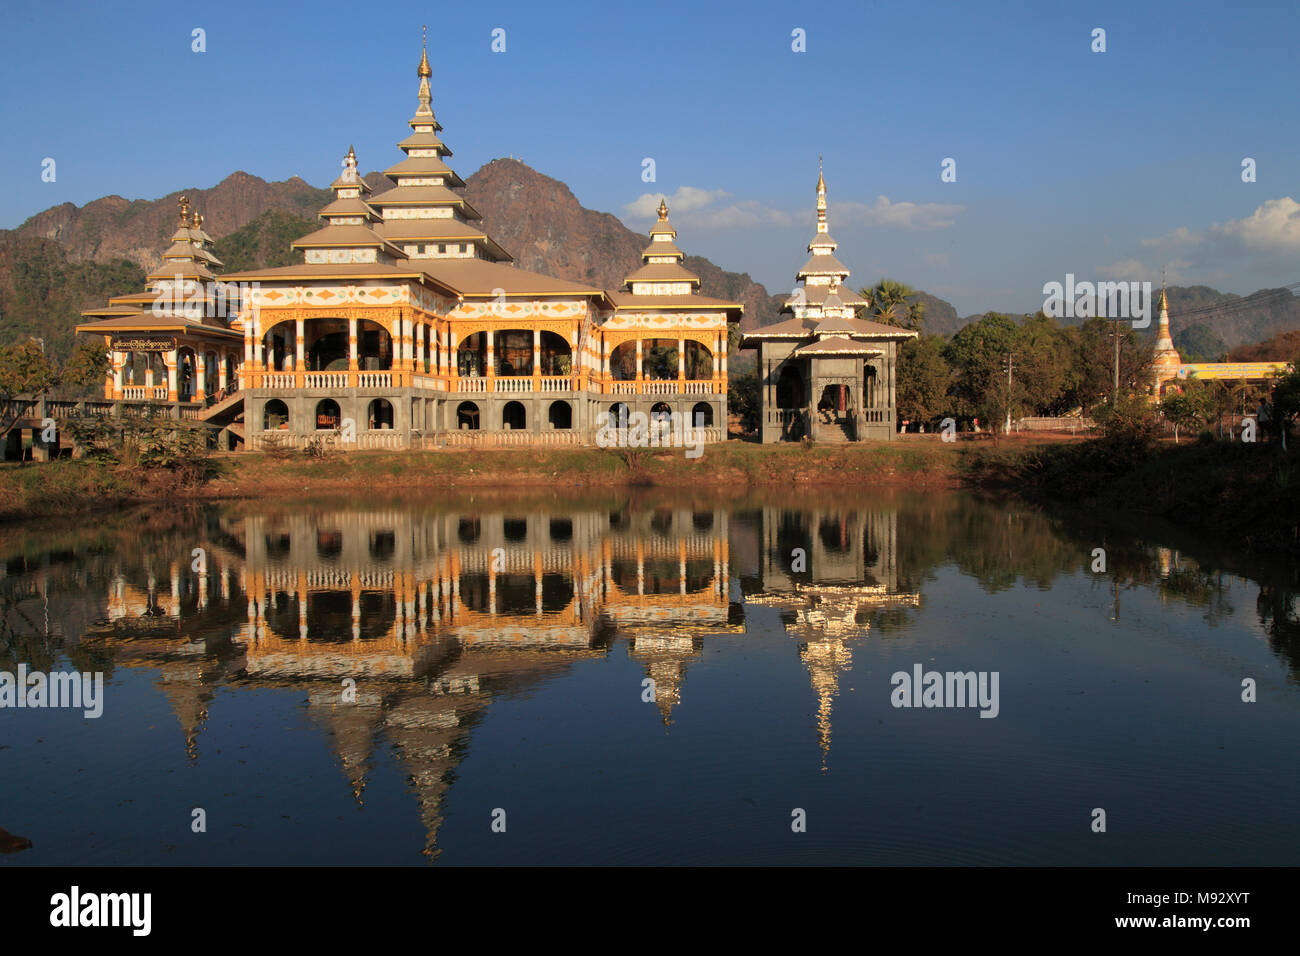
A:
[(424, 71), (184, 203), (821, 198), (663, 209)]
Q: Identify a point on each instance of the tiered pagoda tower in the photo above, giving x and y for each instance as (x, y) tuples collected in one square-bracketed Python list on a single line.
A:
[(827, 374)]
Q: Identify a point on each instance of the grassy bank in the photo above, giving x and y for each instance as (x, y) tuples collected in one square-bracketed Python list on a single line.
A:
[(1242, 493), (1246, 493), (68, 486)]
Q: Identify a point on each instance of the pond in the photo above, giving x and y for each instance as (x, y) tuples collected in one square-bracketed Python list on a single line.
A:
[(645, 678)]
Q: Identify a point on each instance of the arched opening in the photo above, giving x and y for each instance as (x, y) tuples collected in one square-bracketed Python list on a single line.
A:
[(513, 417), (561, 529), (789, 389), (379, 414), (185, 374), (661, 521), (659, 359), (560, 415), (513, 351), (660, 411), (327, 414), (832, 407), (275, 415), (468, 530), (467, 416), (622, 362), (702, 521), (869, 384), (471, 356), (278, 347), (556, 356), (699, 361), (619, 414), (374, 347), (514, 530), (702, 415), (326, 342)]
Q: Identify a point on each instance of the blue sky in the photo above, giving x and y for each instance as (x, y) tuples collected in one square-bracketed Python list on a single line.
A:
[(1106, 165)]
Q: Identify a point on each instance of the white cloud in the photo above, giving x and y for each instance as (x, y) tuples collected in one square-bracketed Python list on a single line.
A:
[(741, 215), (685, 199), (1274, 226), (904, 215)]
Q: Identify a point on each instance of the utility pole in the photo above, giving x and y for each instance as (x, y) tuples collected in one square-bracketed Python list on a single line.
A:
[(1008, 426), (1114, 401)]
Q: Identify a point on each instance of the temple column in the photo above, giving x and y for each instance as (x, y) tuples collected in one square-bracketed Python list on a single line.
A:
[(639, 370), (200, 377), (300, 350), (419, 348), (352, 350), (148, 373), (537, 352), (119, 368), (681, 361), (222, 377), (491, 369), (453, 363), (170, 358)]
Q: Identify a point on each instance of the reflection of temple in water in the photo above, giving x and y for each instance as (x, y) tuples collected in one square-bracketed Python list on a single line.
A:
[(827, 572), (406, 625)]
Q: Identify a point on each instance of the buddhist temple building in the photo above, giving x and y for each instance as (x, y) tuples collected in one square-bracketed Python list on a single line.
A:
[(825, 372), (178, 341), (407, 326)]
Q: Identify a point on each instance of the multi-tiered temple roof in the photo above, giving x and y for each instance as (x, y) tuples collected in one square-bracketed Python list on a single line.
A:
[(423, 228), (663, 282), (822, 308)]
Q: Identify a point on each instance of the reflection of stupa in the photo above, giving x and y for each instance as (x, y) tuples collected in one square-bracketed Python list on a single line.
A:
[(828, 572)]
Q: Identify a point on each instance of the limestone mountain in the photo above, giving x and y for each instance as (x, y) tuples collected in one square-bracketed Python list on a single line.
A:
[(139, 229)]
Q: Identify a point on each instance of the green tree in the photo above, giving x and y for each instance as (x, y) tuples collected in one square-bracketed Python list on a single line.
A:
[(1284, 407), (82, 374), (923, 379), (744, 395), (1191, 408), (1093, 359), (888, 302), (25, 373), (977, 355)]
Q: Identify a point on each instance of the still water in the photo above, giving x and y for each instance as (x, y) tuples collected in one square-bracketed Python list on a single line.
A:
[(650, 678)]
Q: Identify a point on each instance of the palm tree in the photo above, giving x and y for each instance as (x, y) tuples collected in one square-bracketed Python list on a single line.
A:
[(888, 302)]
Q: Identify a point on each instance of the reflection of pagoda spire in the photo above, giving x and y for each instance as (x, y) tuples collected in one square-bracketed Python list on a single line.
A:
[(423, 730), (824, 660), (188, 697), (665, 657), (352, 727)]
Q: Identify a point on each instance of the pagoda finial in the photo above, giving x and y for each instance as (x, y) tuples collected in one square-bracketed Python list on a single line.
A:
[(424, 71), (821, 198), (663, 209), (184, 204)]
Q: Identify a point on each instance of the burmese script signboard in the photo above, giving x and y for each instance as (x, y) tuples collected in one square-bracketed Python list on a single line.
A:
[(143, 343)]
